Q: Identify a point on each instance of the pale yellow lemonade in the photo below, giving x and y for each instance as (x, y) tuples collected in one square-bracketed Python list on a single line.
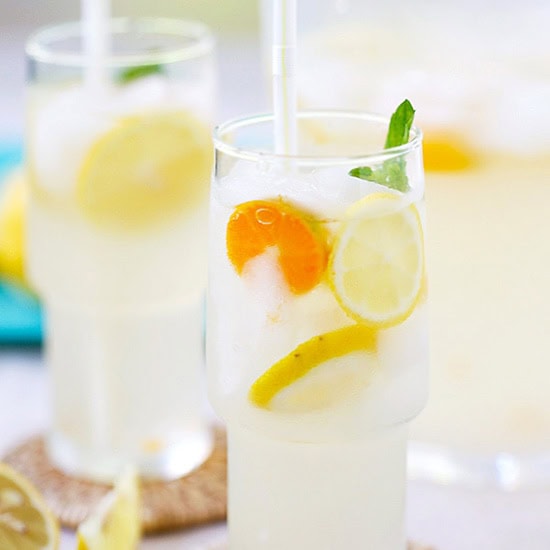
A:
[(489, 339), (117, 252), (486, 127), (317, 352)]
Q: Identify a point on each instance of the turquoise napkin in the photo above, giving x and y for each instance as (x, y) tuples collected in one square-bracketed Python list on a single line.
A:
[(20, 312), (11, 154)]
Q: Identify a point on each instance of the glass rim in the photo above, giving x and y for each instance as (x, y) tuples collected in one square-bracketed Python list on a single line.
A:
[(38, 44), (375, 157)]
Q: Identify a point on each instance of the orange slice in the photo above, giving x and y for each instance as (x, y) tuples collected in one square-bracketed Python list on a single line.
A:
[(258, 225)]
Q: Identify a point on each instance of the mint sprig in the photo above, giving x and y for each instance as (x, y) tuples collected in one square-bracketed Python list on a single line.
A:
[(133, 73), (392, 173)]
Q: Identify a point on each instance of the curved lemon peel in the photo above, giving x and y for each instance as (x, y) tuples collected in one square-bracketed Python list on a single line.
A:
[(307, 356)]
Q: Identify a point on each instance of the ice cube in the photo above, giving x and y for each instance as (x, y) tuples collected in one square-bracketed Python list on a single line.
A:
[(62, 132)]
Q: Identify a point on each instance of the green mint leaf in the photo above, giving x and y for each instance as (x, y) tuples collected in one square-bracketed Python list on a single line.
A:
[(133, 73), (395, 174), (400, 125), (362, 172), (392, 173)]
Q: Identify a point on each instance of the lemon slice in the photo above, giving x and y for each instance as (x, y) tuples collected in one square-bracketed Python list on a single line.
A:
[(332, 384), (446, 154), (377, 265), (146, 169), (26, 523), (12, 226), (116, 522)]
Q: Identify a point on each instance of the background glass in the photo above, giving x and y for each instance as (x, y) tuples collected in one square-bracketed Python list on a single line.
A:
[(116, 242)]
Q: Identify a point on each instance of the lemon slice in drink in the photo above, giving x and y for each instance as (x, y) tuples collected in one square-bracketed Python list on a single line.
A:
[(310, 377), (376, 268), (116, 522), (26, 523), (145, 169)]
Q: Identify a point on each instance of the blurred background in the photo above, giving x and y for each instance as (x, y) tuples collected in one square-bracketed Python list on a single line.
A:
[(233, 22)]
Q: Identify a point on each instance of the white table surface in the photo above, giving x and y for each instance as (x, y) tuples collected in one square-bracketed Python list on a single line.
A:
[(448, 518)]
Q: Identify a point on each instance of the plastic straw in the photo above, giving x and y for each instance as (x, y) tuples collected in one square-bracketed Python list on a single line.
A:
[(95, 18), (96, 40), (284, 81)]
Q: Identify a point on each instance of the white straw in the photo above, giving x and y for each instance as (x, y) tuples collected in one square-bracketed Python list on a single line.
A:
[(284, 81), (96, 40)]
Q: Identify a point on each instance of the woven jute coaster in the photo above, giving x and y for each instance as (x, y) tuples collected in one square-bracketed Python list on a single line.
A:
[(196, 499)]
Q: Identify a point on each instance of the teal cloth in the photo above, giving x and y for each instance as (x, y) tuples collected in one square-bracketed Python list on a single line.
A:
[(20, 311), (11, 154)]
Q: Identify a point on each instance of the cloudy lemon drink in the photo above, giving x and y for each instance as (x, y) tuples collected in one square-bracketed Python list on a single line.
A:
[(118, 175), (317, 327)]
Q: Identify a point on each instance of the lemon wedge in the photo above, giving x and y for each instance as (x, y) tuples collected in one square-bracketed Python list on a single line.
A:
[(285, 387), (12, 227), (146, 169), (116, 522), (26, 523), (376, 268)]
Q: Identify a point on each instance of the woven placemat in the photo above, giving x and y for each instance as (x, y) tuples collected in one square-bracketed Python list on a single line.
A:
[(196, 499)]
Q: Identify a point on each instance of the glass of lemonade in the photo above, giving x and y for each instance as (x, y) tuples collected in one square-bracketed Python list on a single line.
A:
[(117, 242), (317, 322), (481, 92)]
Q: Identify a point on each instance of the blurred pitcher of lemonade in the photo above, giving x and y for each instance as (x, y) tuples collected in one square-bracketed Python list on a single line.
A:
[(481, 93)]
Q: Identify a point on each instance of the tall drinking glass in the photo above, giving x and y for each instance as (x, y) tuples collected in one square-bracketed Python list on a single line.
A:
[(116, 242), (316, 340), (481, 86)]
